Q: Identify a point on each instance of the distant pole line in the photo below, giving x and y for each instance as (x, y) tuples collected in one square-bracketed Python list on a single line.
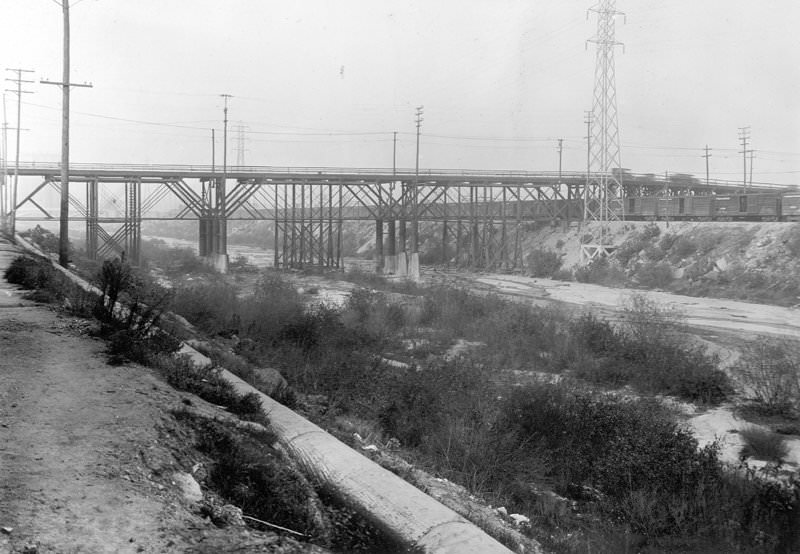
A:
[(18, 80)]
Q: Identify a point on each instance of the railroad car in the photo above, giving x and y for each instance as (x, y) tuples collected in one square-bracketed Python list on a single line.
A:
[(769, 206), (748, 206), (790, 206)]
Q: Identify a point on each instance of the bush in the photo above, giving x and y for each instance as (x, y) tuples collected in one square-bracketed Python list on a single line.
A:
[(601, 271), (621, 449), (211, 306), (31, 273), (647, 350), (654, 274), (682, 248), (770, 369), (208, 384), (46, 241), (49, 285), (543, 263), (763, 444)]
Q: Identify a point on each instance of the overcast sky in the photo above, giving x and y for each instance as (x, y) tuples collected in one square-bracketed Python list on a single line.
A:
[(325, 83)]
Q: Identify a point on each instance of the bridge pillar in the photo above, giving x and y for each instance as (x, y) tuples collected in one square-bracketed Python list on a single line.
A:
[(91, 219), (202, 235), (391, 238), (213, 228), (133, 220), (444, 243), (401, 235), (379, 260)]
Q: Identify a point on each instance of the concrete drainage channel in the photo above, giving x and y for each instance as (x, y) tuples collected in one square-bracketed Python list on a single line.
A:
[(396, 507)]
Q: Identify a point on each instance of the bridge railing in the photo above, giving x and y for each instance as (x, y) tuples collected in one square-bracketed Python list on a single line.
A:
[(40, 168)]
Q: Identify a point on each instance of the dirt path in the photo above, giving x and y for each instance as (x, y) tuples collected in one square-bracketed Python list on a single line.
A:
[(88, 451)]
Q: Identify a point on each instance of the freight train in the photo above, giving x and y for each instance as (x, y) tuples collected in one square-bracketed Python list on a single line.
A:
[(762, 206)]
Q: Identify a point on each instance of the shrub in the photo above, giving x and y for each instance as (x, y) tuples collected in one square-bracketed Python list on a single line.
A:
[(114, 279), (770, 369), (208, 384), (249, 473), (654, 274), (543, 263), (46, 241), (211, 306), (49, 285), (623, 450), (30, 273), (763, 444), (562, 275), (601, 271), (682, 248)]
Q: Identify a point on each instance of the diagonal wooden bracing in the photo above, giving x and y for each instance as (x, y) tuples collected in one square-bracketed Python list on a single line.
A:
[(475, 219)]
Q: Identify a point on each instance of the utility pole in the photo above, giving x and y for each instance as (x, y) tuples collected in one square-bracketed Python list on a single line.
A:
[(707, 155), (225, 137), (222, 243), (587, 118), (19, 92), (4, 197), (394, 154), (560, 150), (63, 239), (752, 153), (744, 136), (240, 144), (415, 199)]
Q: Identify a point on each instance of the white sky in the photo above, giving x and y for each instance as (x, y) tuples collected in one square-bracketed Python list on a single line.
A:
[(500, 80)]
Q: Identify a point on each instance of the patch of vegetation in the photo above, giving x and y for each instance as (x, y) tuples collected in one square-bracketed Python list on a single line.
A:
[(208, 384), (46, 241), (770, 370), (130, 309), (174, 260), (648, 351), (249, 472), (601, 271), (764, 444), (543, 263), (48, 285), (623, 460), (657, 275), (636, 242)]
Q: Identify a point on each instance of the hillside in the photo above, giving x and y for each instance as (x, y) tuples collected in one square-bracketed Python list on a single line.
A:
[(754, 261)]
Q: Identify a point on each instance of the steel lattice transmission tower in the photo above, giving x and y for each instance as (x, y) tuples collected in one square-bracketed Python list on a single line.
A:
[(603, 195)]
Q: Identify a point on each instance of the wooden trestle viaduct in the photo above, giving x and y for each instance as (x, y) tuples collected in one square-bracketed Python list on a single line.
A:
[(479, 214)]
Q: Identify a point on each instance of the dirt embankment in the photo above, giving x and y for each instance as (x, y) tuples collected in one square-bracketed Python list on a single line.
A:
[(752, 261), (91, 458)]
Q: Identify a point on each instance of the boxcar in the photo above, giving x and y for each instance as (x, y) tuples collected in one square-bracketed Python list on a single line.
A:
[(790, 207), (748, 206)]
